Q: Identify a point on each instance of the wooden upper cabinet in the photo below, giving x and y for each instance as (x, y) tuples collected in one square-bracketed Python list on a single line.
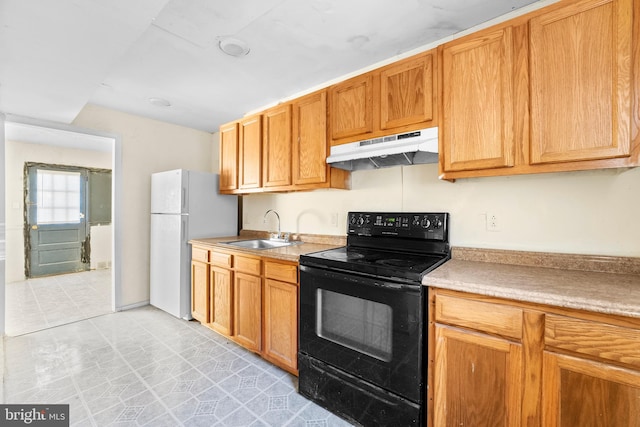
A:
[(407, 92), (250, 153), (477, 104), (229, 157), (276, 146), (562, 81), (581, 82), (310, 139), (399, 97), (352, 107)]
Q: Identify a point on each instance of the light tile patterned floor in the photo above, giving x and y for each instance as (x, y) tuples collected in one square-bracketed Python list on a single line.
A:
[(40, 303), (145, 367)]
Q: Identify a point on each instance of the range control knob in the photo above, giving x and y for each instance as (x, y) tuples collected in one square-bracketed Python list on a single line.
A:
[(437, 223), (425, 222), (360, 221), (416, 221)]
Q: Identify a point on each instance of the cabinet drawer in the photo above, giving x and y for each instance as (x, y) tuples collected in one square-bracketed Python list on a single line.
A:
[(281, 272), (482, 316), (609, 342), (218, 258), (247, 265), (199, 254)]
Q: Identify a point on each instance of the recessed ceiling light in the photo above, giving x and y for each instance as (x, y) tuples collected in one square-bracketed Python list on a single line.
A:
[(159, 102), (233, 47)]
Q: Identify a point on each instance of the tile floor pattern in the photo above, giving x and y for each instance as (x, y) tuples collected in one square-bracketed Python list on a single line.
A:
[(43, 302), (143, 367)]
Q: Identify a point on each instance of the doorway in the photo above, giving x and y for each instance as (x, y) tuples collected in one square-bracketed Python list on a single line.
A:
[(63, 298)]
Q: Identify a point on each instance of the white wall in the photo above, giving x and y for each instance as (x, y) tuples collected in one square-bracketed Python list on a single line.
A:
[(2, 239), (16, 154), (589, 212), (148, 146)]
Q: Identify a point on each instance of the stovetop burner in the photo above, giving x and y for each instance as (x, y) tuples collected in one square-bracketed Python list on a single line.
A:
[(345, 256), (403, 263)]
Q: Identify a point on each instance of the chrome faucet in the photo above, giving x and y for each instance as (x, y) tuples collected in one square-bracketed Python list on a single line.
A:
[(277, 236)]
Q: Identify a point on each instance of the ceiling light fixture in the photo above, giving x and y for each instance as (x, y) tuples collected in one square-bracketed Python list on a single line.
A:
[(159, 102), (233, 47)]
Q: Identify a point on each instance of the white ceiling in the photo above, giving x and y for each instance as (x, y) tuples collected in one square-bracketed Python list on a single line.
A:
[(57, 56)]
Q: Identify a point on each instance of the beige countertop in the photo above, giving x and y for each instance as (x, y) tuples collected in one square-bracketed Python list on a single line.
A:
[(599, 291), (287, 253)]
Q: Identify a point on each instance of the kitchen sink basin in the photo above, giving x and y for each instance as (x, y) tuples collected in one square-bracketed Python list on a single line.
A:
[(260, 243)]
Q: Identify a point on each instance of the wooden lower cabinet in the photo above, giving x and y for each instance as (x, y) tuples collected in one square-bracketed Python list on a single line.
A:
[(281, 323), (580, 392), (247, 291), (478, 379), (221, 282), (250, 300), (505, 363), (200, 291)]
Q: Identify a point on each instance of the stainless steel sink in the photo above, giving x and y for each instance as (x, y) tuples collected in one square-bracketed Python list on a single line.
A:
[(260, 243)]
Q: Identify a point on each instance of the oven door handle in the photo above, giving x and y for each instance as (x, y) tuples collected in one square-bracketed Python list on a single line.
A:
[(359, 278), (388, 285)]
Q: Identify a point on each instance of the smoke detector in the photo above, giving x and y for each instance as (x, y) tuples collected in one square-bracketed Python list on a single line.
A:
[(233, 47)]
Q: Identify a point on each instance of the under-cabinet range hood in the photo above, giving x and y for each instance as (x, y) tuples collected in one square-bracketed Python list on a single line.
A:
[(410, 148)]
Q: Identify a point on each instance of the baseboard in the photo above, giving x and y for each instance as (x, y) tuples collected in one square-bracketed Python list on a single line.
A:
[(132, 306)]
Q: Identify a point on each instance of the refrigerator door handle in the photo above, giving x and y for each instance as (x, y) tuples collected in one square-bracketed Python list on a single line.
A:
[(184, 199), (183, 231)]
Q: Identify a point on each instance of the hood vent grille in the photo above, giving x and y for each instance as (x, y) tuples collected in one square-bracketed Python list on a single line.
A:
[(417, 147)]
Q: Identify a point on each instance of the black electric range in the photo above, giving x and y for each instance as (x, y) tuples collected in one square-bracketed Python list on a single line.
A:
[(363, 317)]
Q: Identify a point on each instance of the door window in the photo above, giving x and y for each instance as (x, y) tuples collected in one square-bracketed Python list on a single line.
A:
[(58, 197)]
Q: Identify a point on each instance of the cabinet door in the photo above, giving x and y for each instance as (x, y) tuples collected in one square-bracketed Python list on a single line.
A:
[(352, 107), (229, 157), (200, 291), (310, 139), (407, 92), (477, 110), (276, 153), (247, 295), (250, 153), (580, 79), (221, 300), (585, 393), (281, 323), (477, 378)]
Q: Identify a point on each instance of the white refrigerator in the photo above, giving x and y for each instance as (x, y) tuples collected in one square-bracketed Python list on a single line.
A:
[(184, 205)]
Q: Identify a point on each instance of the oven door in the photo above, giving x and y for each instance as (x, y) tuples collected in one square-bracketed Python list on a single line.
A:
[(371, 328)]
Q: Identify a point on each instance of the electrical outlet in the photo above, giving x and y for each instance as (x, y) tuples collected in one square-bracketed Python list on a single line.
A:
[(493, 222), (334, 219)]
